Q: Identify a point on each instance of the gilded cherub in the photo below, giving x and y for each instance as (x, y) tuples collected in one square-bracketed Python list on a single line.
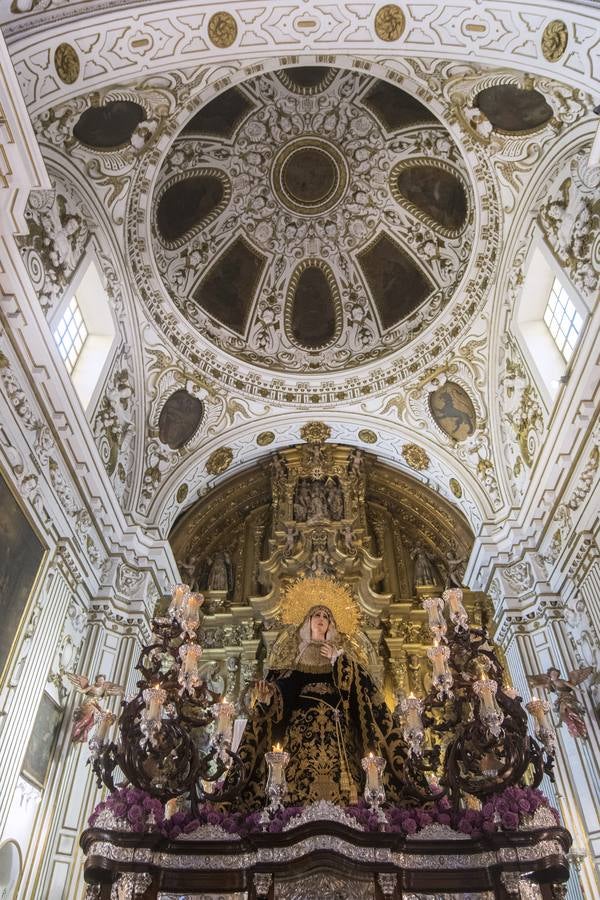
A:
[(567, 705), (85, 715)]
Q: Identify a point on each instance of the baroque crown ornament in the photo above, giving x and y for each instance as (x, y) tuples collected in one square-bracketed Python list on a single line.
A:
[(305, 593)]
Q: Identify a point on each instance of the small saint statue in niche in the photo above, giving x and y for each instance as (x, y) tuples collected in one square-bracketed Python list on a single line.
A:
[(291, 537), (424, 570), (220, 573), (335, 500), (86, 713), (454, 566), (567, 705)]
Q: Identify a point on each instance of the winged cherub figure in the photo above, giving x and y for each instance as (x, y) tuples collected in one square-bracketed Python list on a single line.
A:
[(85, 715), (567, 705)]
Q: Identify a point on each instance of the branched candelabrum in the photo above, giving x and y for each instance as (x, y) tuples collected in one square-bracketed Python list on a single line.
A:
[(165, 743), (475, 728)]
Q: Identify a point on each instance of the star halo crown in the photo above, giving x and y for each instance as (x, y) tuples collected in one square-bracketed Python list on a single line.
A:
[(305, 593)]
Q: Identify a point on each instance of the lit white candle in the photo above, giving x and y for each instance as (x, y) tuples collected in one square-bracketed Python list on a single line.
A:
[(372, 774), (434, 607), (170, 808)]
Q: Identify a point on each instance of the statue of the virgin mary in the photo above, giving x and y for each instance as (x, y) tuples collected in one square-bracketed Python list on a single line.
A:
[(319, 702)]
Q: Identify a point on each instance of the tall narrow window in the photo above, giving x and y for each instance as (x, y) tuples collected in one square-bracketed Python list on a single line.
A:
[(562, 319), (70, 334), (84, 331)]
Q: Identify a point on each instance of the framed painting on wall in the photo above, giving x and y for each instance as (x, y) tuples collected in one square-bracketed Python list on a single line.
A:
[(42, 741), (21, 556)]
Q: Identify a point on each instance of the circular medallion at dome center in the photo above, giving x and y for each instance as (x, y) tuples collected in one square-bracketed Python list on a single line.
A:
[(309, 176)]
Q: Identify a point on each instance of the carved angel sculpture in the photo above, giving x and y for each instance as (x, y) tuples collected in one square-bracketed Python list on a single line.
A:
[(85, 715), (567, 705)]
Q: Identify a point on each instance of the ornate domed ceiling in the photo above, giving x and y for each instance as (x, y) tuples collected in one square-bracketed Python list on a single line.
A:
[(312, 219)]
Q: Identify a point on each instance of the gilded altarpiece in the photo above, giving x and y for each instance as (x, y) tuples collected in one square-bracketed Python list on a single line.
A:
[(322, 509)]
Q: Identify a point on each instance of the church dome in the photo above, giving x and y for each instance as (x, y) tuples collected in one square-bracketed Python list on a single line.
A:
[(312, 219)]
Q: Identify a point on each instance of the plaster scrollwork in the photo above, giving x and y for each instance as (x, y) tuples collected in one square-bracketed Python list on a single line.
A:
[(221, 411), (522, 420), (109, 170), (519, 576), (130, 582), (570, 220), (515, 155), (49, 458), (114, 423), (59, 227)]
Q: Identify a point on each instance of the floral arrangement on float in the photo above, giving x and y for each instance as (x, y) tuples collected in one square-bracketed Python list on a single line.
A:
[(470, 764)]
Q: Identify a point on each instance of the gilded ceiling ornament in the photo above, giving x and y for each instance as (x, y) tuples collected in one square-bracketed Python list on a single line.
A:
[(219, 461), (315, 432), (305, 593), (456, 488), (367, 436), (415, 457), (222, 29), (389, 22), (182, 492), (265, 438), (554, 40), (66, 63)]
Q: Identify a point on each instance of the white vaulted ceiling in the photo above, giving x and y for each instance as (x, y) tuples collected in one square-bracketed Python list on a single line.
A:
[(313, 222)]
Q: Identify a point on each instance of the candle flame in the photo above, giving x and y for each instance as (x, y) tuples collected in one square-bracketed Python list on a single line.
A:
[(277, 748)]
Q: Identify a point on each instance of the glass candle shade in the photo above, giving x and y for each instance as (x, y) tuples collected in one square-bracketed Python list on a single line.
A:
[(489, 712), (458, 614), (434, 607), (188, 676), (539, 709), (191, 612), (154, 698), (442, 677), (373, 766), (104, 722), (411, 709), (223, 712), (178, 597), (276, 761)]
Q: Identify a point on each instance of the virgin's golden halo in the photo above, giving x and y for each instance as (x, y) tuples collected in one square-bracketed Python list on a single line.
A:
[(305, 593)]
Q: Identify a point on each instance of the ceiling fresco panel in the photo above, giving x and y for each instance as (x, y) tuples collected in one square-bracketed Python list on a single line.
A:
[(227, 291), (397, 284)]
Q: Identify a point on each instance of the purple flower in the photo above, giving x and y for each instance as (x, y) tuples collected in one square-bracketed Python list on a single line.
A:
[(409, 825), (510, 821), (191, 826), (524, 805), (119, 809), (465, 826), (443, 818), (489, 827), (275, 826), (488, 810)]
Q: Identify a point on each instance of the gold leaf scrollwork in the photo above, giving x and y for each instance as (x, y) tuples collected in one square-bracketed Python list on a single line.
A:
[(415, 457), (389, 22), (66, 63), (315, 432), (219, 460), (554, 40), (222, 29)]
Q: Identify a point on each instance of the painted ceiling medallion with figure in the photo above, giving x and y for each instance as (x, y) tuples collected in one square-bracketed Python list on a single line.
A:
[(312, 219)]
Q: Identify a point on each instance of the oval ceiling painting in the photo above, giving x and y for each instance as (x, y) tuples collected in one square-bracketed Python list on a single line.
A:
[(453, 411), (110, 126), (313, 305), (179, 419)]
